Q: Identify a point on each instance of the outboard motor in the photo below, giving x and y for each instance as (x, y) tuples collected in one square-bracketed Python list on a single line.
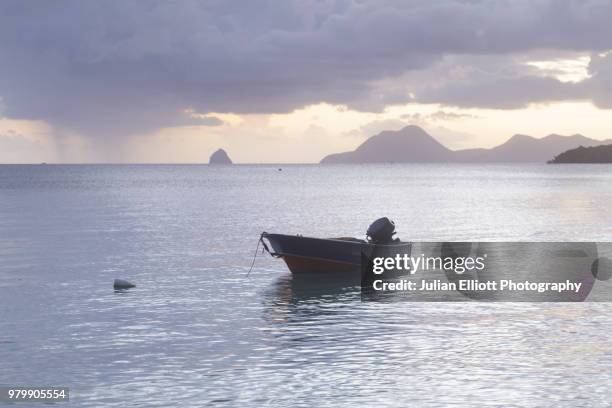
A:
[(381, 231)]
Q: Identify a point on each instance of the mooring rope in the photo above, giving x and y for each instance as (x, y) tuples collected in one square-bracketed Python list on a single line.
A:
[(264, 248), (255, 254)]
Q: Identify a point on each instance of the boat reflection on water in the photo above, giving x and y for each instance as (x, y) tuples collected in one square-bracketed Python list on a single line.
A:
[(293, 290), (294, 298)]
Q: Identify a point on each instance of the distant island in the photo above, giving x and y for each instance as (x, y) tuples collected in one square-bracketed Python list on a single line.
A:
[(413, 145), (596, 154), (220, 157)]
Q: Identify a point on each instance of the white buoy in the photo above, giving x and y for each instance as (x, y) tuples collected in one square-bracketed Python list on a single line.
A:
[(122, 284)]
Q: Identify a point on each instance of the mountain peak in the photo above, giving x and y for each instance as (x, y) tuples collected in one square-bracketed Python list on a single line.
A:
[(408, 134), (220, 157), (409, 144), (520, 138), (413, 129)]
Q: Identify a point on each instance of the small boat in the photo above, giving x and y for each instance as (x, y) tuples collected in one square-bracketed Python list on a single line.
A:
[(334, 255)]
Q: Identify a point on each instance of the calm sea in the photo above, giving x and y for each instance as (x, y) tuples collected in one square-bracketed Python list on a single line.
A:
[(197, 332)]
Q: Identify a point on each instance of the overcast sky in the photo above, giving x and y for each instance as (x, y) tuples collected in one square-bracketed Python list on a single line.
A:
[(291, 81)]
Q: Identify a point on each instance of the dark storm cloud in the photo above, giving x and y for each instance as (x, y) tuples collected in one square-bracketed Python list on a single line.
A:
[(502, 93), (130, 66)]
